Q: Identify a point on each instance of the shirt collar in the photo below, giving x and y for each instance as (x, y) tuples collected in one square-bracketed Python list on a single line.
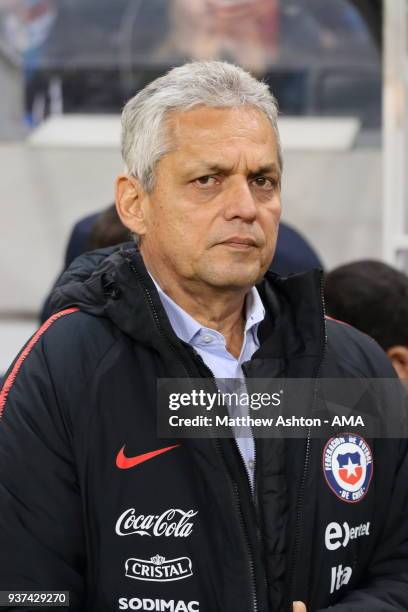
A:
[(254, 309), (186, 327)]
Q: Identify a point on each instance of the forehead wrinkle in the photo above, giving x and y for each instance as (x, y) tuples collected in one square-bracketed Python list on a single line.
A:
[(215, 167), (245, 121), (193, 138)]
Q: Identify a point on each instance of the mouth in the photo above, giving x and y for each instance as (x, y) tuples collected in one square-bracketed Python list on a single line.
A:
[(239, 242)]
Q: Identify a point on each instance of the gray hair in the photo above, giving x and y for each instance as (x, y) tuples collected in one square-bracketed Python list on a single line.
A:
[(210, 83)]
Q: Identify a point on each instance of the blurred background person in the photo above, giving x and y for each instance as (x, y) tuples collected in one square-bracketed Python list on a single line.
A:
[(373, 297)]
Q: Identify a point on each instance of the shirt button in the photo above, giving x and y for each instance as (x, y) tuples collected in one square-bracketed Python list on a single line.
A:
[(207, 338), (251, 464)]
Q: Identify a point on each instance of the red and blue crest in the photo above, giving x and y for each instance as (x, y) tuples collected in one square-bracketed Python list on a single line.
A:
[(348, 466)]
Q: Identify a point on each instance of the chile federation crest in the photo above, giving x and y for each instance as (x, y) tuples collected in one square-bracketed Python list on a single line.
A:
[(348, 466)]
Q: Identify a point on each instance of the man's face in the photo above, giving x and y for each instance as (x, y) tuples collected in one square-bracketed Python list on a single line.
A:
[(212, 217)]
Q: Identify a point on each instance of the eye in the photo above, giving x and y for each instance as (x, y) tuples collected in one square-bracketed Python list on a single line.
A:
[(265, 183), (206, 181)]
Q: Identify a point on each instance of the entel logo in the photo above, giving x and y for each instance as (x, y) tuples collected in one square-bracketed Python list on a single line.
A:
[(340, 535), (158, 605)]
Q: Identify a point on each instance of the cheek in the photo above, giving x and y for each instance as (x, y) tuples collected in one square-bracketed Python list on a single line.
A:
[(173, 233), (190, 228), (162, 223), (269, 220), (277, 207), (178, 225)]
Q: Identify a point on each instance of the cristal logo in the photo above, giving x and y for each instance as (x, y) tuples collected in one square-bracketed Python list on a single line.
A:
[(173, 522), (158, 605), (158, 569)]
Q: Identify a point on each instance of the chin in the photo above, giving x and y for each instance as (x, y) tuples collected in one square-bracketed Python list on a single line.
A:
[(223, 273), (227, 279)]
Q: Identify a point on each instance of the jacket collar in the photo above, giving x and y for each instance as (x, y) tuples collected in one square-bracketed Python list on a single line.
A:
[(115, 283)]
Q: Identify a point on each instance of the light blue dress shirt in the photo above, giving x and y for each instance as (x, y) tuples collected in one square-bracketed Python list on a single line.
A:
[(210, 345)]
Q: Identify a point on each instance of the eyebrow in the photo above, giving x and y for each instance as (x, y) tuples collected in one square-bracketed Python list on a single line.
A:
[(267, 169), (224, 169)]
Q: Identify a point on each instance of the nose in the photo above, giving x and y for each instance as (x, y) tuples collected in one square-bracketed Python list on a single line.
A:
[(239, 202)]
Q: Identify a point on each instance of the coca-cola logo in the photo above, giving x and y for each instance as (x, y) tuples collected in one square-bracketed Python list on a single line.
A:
[(171, 523)]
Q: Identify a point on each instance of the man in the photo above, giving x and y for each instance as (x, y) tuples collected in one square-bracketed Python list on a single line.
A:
[(91, 501), (373, 297)]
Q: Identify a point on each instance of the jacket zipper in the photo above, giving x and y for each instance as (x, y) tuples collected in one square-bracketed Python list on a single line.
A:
[(307, 456), (236, 498)]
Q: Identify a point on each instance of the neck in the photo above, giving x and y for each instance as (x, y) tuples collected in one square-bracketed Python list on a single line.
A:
[(213, 307), (223, 315)]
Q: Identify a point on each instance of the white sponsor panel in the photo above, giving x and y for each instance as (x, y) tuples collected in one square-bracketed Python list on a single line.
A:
[(158, 569), (340, 576), (174, 522), (337, 535), (158, 605)]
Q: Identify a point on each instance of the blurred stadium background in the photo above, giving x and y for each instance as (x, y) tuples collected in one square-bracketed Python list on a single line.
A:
[(338, 68)]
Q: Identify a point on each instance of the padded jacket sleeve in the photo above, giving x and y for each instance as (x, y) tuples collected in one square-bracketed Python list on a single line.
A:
[(41, 533), (386, 586)]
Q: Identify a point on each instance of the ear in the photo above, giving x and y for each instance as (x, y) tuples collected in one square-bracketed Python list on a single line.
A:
[(130, 200), (399, 359)]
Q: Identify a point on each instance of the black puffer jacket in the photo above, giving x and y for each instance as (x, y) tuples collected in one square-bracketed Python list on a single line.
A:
[(179, 530)]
